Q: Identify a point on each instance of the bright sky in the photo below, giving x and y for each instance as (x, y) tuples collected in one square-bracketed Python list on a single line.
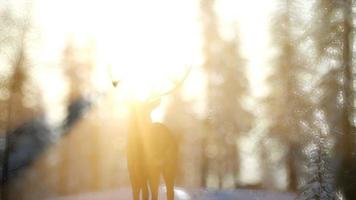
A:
[(144, 42), (251, 19), (148, 43)]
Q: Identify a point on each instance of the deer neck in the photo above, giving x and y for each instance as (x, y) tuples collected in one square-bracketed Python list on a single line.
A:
[(139, 128)]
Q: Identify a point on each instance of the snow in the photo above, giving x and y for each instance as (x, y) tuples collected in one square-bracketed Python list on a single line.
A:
[(190, 194)]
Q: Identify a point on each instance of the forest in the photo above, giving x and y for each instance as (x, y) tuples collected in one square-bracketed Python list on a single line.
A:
[(266, 103)]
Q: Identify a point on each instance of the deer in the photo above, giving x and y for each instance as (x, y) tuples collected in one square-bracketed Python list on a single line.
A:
[(152, 149)]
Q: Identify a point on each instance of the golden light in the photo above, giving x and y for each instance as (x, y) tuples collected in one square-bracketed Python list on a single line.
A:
[(145, 43), (149, 43)]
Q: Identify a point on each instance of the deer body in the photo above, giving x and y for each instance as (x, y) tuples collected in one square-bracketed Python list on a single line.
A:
[(152, 152), (152, 149)]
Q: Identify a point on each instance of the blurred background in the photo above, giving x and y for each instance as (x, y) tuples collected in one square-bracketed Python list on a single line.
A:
[(268, 104)]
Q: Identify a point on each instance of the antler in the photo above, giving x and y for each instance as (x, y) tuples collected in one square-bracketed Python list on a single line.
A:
[(177, 84), (113, 81)]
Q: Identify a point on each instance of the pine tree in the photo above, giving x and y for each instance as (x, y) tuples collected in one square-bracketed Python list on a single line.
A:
[(227, 85), (284, 99), (346, 144), (327, 34)]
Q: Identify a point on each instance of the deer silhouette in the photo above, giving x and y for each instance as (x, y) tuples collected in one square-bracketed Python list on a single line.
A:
[(152, 149)]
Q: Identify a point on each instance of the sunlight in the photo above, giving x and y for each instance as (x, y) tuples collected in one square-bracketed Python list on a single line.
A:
[(151, 45), (148, 43), (178, 193), (145, 43), (90, 102), (252, 19)]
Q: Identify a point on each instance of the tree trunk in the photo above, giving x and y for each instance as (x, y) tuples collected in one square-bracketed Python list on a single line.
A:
[(347, 177), (292, 169)]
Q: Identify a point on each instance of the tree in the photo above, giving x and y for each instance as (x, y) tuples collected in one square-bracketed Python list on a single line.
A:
[(330, 91), (346, 144), (13, 39), (227, 85), (284, 97)]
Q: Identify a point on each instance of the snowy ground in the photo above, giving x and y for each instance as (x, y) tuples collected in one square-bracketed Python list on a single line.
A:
[(190, 194)]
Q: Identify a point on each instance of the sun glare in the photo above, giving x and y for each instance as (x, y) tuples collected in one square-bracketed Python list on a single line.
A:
[(145, 43), (149, 43)]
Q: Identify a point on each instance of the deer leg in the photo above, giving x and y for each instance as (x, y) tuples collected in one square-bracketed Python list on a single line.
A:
[(135, 192), (154, 182), (144, 191), (169, 177), (170, 188), (135, 186)]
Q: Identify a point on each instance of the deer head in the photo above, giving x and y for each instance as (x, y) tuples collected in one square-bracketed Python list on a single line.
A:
[(147, 106)]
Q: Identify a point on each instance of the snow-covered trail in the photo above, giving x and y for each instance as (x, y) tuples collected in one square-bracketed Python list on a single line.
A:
[(190, 194)]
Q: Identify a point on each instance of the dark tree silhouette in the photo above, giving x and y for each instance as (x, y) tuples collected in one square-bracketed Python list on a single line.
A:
[(346, 144), (330, 78)]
